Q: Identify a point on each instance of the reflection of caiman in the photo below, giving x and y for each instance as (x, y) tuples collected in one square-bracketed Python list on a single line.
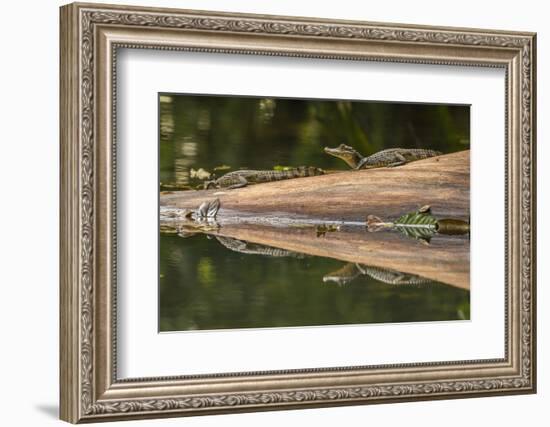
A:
[(244, 247), (242, 178), (255, 248), (350, 271), (386, 158)]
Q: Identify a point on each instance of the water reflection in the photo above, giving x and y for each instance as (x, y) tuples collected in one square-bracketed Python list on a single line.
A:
[(251, 248), (351, 271), (204, 285)]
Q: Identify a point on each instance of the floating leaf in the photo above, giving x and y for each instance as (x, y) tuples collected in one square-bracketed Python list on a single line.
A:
[(222, 168), (417, 220), (418, 225), (421, 225), (282, 168)]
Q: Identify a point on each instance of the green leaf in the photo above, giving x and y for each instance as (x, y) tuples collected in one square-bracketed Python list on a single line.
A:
[(419, 225)]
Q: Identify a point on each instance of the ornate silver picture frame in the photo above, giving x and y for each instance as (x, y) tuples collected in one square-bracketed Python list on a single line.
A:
[(91, 35)]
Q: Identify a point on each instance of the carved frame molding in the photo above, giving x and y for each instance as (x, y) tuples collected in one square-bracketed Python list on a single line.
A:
[(90, 37)]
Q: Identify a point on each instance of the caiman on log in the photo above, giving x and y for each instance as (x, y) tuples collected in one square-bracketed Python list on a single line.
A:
[(390, 157), (242, 178)]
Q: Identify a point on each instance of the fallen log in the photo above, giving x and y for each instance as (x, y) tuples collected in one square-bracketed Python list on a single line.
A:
[(286, 214), (442, 182)]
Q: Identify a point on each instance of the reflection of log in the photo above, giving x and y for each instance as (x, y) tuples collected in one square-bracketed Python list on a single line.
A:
[(442, 182), (446, 259)]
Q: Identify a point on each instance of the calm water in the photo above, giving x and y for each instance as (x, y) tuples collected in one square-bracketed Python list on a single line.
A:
[(204, 285)]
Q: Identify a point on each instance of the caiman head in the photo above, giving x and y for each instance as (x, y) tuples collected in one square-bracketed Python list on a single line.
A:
[(346, 153), (343, 275)]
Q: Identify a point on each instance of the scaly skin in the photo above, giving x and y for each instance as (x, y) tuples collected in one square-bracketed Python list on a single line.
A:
[(351, 271), (386, 158), (241, 178), (244, 247), (392, 277)]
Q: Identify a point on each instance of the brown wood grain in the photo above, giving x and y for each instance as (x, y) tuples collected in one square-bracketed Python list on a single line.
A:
[(441, 182)]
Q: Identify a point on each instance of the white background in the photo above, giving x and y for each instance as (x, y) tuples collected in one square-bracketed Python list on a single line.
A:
[(29, 171), (145, 353)]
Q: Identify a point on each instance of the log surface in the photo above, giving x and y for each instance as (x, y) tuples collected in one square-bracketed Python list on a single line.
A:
[(445, 259), (442, 182)]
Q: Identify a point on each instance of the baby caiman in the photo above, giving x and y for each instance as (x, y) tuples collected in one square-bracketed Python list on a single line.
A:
[(389, 157), (250, 248), (242, 178), (351, 271)]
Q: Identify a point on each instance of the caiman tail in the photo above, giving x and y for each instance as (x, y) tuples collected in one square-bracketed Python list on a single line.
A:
[(242, 178), (392, 277), (249, 248)]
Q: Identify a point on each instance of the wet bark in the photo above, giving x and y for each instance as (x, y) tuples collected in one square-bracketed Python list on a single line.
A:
[(286, 214)]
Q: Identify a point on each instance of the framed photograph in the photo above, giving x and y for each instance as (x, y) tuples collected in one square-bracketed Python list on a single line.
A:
[(265, 212)]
